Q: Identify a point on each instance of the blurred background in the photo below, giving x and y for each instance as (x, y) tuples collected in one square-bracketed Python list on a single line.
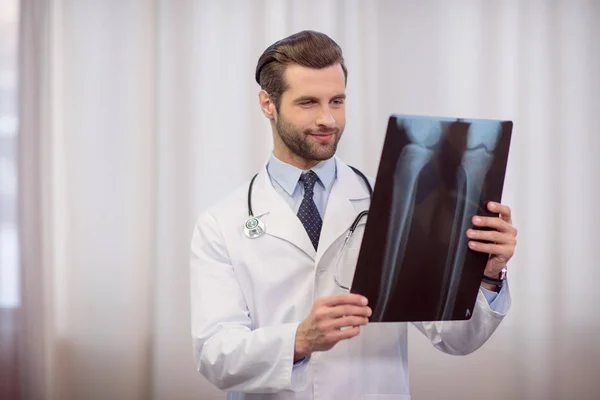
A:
[(121, 120)]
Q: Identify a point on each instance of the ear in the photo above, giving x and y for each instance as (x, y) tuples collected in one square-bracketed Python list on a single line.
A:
[(266, 105)]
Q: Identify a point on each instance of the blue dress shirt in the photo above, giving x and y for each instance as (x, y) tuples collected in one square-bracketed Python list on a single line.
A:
[(286, 181)]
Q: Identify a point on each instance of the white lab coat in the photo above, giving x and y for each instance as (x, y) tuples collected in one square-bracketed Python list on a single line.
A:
[(249, 295)]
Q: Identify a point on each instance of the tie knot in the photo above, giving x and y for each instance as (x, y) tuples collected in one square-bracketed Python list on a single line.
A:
[(309, 179)]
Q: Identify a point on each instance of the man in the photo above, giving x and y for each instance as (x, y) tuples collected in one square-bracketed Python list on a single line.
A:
[(268, 321)]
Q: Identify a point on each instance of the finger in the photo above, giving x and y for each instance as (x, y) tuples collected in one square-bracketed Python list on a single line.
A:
[(337, 335), (343, 298), (494, 223), (491, 236), (342, 322), (491, 248), (340, 311), (504, 211), (324, 313)]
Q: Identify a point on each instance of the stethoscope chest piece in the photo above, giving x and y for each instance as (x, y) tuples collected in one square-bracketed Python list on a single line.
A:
[(254, 228)]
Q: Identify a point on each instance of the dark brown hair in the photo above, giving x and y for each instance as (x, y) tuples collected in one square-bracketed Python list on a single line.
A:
[(307, 48)]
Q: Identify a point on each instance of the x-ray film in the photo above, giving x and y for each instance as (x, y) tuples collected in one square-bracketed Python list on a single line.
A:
[(434, 175)]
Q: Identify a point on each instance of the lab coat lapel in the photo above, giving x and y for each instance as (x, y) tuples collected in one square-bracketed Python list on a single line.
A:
[(280, 220), (341, 210)]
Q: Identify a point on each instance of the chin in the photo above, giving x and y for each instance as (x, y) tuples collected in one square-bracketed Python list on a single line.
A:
[(323, 155)]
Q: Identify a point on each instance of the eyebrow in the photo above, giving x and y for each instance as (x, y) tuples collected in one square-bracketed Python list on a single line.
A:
[(312, 98)]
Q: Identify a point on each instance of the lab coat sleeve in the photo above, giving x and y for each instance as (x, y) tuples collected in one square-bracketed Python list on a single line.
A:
[(464, 337), (227, 350)]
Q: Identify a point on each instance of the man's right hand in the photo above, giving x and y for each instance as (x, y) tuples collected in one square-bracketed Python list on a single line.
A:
[(321, 330)]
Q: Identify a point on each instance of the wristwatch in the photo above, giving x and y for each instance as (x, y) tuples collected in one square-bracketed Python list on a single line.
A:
[(498, 281)]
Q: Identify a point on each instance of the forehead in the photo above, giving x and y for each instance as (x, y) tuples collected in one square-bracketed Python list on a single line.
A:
[(303, 81)]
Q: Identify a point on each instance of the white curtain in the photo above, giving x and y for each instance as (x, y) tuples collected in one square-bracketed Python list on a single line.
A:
[(137, 115)]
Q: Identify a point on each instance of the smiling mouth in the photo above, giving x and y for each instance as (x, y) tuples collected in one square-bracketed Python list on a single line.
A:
[(321, 136)]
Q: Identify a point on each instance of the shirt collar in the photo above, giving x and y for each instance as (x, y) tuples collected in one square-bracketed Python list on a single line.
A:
[(287, 176)]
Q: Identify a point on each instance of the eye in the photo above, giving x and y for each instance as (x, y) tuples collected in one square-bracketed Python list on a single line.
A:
[(338, 102), (307, 102)]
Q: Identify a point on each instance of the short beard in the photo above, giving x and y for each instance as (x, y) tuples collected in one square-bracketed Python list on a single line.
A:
[(298, 141)]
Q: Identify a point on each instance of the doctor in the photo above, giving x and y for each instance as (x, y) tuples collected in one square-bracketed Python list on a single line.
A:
[(266, 312)]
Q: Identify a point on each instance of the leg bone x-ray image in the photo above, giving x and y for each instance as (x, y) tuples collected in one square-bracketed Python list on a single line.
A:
[(435, 174)]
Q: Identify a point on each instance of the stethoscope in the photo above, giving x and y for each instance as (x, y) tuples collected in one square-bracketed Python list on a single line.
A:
[(254, 228)]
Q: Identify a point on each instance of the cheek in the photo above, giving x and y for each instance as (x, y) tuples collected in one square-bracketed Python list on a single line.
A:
[(297, 124), (304, 119), (340, 116)]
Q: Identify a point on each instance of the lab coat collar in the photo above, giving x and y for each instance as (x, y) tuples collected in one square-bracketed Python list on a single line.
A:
[(280, 220)]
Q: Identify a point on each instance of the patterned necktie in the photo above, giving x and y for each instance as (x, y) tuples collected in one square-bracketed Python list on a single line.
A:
[(308, 212)]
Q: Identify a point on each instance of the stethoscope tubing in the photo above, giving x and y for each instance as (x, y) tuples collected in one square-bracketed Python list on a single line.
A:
[(362, 176), (254, 228)]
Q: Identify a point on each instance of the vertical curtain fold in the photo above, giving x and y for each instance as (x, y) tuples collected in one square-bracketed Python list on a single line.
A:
[(136, 116)]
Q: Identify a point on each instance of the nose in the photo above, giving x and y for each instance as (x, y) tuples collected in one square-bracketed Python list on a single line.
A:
[(325, 117)]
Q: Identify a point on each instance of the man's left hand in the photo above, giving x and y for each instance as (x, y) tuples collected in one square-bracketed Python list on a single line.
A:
[(503, 238)]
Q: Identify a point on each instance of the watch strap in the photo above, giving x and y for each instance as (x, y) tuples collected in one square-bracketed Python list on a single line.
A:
[(492, 281), (498, 281)]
